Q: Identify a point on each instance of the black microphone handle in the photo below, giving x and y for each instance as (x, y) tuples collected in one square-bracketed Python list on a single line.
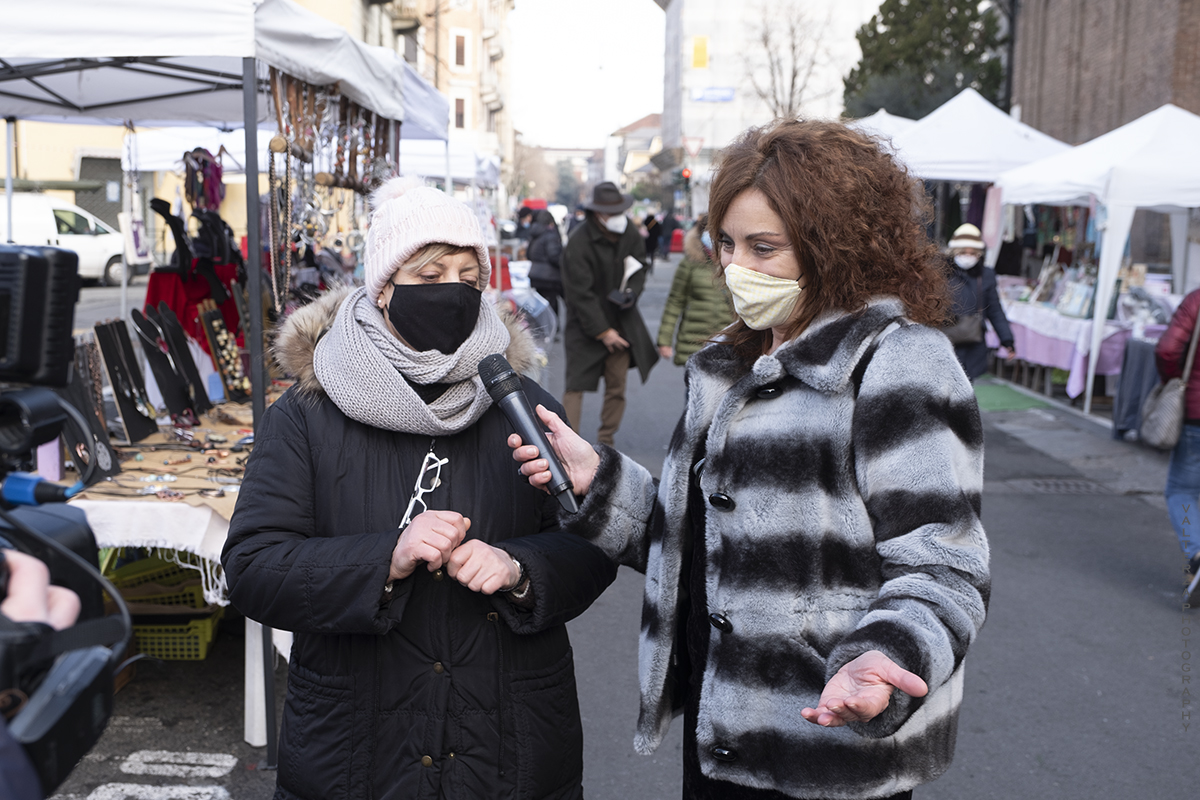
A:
[(516, 407)]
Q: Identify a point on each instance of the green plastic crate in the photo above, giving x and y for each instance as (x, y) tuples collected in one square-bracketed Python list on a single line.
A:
[(178, 642), (150, 570)]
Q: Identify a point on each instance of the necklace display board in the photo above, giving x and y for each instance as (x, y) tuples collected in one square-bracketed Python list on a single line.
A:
[(177, 343), (225, 352), (129, 390), (78, 392), (167, 374)]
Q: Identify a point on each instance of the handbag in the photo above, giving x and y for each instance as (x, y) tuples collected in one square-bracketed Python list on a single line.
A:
[(1164, 408), (968, 328)]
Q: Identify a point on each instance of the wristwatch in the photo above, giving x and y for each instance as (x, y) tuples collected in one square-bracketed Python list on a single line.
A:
[(521, 587)]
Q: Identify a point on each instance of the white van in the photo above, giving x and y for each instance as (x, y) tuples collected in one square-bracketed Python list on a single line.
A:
[(39, 219)]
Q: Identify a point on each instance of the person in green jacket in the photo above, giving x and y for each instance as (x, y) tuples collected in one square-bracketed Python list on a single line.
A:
[(699, 304)]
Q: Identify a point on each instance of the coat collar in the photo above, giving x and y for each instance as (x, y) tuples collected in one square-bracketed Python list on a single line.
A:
[(823, 357)]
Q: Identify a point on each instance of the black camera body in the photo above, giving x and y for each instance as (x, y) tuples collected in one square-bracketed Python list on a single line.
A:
[(56, 687)]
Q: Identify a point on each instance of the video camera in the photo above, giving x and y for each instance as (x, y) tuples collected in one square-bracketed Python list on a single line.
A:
[(56, 687)]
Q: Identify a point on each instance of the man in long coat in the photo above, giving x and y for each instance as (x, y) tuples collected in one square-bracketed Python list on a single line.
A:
[(604, 334)]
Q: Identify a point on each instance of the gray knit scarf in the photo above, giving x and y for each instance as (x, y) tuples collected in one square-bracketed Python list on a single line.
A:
[(363, 367)]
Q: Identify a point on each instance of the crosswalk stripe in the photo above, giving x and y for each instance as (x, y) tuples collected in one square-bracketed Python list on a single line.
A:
[(178, 765)]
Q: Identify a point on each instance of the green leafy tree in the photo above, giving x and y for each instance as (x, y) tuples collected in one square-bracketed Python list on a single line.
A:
[(917, 54), (567, 192)]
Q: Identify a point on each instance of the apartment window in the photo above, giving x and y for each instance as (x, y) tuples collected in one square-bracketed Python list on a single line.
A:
[(460, 113), (459, 55), (491, 121)]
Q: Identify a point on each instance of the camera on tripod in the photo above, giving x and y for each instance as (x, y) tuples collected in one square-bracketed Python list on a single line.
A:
[(56, 687)]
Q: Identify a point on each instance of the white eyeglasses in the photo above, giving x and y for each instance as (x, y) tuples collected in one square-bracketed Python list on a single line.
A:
[(432, 465)]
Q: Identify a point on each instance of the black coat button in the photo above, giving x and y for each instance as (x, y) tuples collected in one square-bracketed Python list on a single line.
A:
[(724, 754), (720, 622), (721, 501), (769, 392)]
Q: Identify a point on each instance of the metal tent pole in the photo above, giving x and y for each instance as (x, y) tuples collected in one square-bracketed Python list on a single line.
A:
[(8, 173), (255, 328)]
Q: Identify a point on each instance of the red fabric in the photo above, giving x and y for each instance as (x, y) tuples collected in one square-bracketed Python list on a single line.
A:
[(536, 203), (677, 240), (183, 297), (500, 273), (1171, 351)]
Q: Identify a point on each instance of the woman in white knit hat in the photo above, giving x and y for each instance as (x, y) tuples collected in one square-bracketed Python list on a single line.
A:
[(975, 299), (382, 521)]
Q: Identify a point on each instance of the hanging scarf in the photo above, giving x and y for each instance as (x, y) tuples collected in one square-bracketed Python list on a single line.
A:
[(368, 373)]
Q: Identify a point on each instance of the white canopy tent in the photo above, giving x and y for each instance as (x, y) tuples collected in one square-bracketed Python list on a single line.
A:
[(969, 139), (882, 125), (162, 63), (1149, 163), (427, 160)]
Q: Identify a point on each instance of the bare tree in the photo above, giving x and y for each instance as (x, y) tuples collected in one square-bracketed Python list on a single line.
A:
[(787, 51), (532, 175)]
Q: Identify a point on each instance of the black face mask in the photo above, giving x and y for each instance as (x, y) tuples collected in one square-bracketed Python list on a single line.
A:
[(434, 316)]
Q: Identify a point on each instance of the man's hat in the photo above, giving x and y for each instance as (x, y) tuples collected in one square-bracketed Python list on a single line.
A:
[(607, 199)]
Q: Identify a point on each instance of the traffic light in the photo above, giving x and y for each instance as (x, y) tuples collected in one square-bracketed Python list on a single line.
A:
[(686, 175)]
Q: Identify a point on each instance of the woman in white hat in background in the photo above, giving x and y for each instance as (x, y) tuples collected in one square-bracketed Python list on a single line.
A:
[(381, 521), (975, 299)]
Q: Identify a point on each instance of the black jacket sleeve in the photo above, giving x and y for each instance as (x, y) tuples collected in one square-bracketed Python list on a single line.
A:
[(995, 311), (284, 573), (566, 572)]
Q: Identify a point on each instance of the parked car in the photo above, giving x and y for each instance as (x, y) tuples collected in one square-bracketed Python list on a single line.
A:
[(40, 219)]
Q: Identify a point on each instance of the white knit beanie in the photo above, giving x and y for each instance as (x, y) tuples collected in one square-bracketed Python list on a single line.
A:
[(965, 236), (405, 217)]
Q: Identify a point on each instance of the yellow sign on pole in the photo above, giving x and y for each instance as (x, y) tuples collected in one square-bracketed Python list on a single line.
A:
[(700, 52)]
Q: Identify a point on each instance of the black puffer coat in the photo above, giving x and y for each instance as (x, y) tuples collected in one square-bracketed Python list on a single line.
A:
[(437, 692), (974, 292)]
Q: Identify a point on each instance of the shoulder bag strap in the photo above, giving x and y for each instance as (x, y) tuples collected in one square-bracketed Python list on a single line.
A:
[(1191, 356)]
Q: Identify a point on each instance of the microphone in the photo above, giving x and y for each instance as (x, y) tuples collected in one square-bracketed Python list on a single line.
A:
[(504, 386)]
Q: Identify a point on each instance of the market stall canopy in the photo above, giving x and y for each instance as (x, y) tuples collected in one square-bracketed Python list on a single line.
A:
[(881, 124), (162, 150), (163, 63), (427, 159), (426, 110), (969, 139), (1150, 162)]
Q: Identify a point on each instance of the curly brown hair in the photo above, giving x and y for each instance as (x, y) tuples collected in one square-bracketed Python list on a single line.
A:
[(854, 216)]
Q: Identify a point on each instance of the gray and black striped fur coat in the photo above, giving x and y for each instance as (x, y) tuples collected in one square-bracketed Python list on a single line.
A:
[(854, 526)]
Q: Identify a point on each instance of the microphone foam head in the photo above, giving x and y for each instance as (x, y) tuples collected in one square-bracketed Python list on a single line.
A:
[(498, 376)]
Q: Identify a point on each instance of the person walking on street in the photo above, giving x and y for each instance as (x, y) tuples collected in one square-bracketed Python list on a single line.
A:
[(545, 255), (431, 656), (1183, 475), (670, 224), (816, 566), (577, 219), (699, 304), (605, 335), (653, 234), (973, 287)]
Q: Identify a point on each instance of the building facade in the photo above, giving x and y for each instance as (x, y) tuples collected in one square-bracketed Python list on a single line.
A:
[(1085, 67)]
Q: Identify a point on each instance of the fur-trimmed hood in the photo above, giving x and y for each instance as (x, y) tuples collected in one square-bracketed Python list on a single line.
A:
[(296, 339), (693, 248)]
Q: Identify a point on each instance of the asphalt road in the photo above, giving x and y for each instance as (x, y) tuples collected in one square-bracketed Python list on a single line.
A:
[(1074, 688)]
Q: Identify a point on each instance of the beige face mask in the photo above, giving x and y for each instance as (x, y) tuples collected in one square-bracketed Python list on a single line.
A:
[(762, 301)]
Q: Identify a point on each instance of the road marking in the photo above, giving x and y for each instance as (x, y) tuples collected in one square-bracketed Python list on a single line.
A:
[(179, 765), (138, 791)]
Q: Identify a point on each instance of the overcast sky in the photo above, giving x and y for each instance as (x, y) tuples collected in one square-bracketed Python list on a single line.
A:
[(581, 69)]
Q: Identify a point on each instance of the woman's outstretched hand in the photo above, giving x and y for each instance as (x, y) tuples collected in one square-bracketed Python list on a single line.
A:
[(578, 458), (861, 690)]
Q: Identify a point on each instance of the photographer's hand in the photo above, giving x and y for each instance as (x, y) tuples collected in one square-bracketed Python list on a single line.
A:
[(31, 597)]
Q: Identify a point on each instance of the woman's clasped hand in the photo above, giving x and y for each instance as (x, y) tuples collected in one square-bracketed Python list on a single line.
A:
[(436, 538)]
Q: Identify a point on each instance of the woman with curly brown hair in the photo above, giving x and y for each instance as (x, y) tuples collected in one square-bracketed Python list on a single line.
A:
[(816, 568)]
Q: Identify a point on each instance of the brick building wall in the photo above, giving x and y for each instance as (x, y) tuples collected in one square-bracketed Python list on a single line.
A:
[(1085, 67)]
